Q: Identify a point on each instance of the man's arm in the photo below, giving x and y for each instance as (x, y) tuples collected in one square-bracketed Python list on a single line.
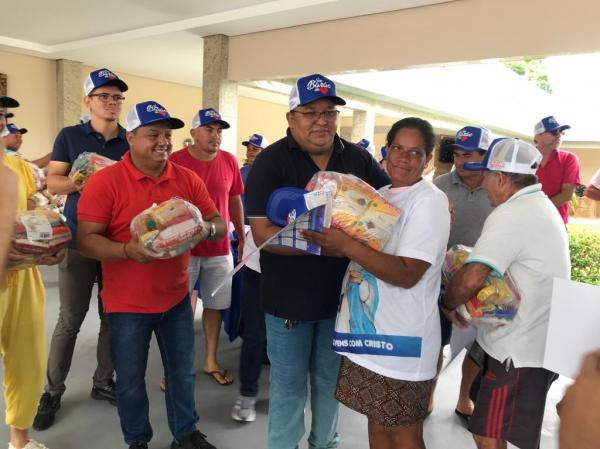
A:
[(465, 283), (43, 161), (564, 196), (592, 193), (57, 181), (236, 214), (220, 226)]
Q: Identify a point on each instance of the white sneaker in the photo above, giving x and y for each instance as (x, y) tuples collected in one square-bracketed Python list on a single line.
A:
[(244, 409), (31, 444)]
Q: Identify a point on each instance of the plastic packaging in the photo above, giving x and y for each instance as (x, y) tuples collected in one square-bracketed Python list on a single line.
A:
[(39, 233), (358, 208), (86, 165), (169, 228), (495, 304)]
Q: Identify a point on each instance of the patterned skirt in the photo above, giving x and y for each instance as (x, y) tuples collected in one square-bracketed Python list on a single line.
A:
[(385, 401)]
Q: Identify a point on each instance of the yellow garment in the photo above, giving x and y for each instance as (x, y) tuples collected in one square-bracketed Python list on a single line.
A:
[(22, 326)]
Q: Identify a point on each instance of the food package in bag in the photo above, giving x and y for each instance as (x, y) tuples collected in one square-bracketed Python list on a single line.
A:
[(495, 304), (86, 165), (169, 228), (38, 233), (358, 208)]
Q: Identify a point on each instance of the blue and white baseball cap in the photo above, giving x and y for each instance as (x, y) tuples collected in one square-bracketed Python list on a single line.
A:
[(548, 124), (363, 143), (473, 138), (208, 116), (312, 88), (11, 128), (285, 204), (143, 114), (508, 155), (102, 77), (256, 140)]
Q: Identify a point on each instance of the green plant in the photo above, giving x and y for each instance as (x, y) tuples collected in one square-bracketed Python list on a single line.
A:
[(584, 243), (533, 70)]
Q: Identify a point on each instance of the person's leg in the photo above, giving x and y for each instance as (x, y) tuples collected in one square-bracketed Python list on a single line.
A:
[(212, 271), (324, 369), (175, 337), (378, 438), (23, 348), (397, 437), (76, 278), (103, 376), (130, 335), (488, 443), (470, 370), (289, 350)]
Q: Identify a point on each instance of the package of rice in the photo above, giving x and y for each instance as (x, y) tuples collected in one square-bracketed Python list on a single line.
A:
[(358, 208), (39, 233), (86, 165), (169, 228)]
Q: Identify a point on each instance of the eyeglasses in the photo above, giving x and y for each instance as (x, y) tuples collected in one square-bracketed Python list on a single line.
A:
[(313, 116), (105, 98), (556, 132), (404, 154)]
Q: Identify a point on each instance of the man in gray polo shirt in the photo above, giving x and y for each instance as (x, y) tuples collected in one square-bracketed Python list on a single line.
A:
[(470, 206)]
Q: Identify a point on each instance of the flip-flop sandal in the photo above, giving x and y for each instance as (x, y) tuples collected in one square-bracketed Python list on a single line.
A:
[(463, 416), (223, 374)]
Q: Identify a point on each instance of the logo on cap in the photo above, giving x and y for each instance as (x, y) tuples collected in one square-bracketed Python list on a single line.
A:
[(156, 109), (106, 74), (463, 135), (318, 85), (552, 120), (212, 113)]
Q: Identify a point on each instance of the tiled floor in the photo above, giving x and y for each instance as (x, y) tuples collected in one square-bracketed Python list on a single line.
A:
[(85, 423)]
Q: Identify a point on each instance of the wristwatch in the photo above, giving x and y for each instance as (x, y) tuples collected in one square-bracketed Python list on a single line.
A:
[(213, 230)]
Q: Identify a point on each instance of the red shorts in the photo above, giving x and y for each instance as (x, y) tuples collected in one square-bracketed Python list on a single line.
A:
[(511, 402)]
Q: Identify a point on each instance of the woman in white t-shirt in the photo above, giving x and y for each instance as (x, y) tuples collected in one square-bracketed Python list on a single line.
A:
[(388, 328)]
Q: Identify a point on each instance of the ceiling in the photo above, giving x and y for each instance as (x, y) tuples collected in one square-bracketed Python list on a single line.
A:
[(158, 39)]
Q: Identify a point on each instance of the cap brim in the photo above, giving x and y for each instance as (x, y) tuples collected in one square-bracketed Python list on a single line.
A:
[(8, 102), (462, 147), (174, 122), (336, 100), (114, 82), (223, 124), (282, 201), (475, 166), (564, 127), (9, 115), (23, 130)]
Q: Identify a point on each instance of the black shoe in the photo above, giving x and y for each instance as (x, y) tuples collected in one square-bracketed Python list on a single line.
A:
[(47, 408), (195, 440), (107, 392), (138, 446)]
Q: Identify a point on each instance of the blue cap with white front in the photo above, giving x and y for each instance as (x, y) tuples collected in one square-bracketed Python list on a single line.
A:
[(102, 77), (312, 88), (508, 155), (208, 116), (256, 140), (548, 124), (285, 205), (148, 112), (11, 128), (473, 138)]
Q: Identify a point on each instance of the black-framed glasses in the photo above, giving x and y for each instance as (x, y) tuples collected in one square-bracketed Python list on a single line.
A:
[(410, 154), (313, 116), (105, 98)]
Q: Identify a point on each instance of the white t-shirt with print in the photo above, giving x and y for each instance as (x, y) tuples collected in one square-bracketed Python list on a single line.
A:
[(388, 329), (526, 237)]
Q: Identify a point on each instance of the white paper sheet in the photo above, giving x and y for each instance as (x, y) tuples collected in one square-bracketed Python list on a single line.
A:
[(574, 328)]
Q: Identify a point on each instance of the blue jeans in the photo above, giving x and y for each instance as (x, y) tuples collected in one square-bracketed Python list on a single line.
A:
[(253, 334), (297, 354), (130, 340)]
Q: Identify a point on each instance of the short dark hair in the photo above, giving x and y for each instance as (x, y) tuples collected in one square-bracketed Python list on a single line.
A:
[(423, 126), (520, 180)]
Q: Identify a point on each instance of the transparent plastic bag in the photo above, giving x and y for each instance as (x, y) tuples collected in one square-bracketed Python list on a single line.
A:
[(358, 208), (170, 228), (495, 304), (38, 233), (86, 165)]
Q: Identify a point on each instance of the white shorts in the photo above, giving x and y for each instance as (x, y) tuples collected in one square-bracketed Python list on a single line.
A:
[(211, 271)]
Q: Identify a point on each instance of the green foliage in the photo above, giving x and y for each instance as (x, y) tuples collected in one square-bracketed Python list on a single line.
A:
[(534, 70), (584, 242)]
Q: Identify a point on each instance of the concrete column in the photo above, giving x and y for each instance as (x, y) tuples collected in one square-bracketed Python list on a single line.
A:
[(363, 125), (69, 92), (217, 91)]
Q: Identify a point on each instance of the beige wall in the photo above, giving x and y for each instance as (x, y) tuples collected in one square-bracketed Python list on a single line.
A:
[(459, 31), (32, 81), (589, 162)]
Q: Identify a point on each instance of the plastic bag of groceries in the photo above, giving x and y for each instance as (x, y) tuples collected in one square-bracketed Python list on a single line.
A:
[(358, 208), (39, 233), (169, 228), (495, 304), (86, 165)]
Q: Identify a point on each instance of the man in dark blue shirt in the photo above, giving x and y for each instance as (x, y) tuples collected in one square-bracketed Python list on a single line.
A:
[(300, 293), (77, 274)]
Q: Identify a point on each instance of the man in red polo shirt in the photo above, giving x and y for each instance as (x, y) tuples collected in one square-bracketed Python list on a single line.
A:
[(211, 261), (559, 170), (143, 294)]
